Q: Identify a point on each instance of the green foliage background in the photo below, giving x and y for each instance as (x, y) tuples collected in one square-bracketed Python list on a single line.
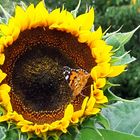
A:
[(114, 14)]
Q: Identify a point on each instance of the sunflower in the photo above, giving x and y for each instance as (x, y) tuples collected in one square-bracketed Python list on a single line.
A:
[(35, 46)]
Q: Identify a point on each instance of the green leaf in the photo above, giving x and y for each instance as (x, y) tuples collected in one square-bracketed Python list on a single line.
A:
[(12, 134), (107, 35), (121, 57), (23, 5), (91, 134), (66, 137), (88, 134), (75, 11), (2, 20), (72, 132), (124, 116), (89, 122), (122, 60), (102, 121), (93, 121), (120, 39), (112, 97), (2, 133), (114, 135), (6, 14)]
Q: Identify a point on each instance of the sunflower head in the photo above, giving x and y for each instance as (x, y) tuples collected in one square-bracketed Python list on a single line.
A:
[(53, 68)]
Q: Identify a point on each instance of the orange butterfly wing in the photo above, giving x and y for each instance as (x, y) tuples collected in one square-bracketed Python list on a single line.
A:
[(77, 79)]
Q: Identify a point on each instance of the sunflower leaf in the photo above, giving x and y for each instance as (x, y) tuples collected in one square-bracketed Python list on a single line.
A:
[(75, 11), (2, 133), (100, 119), (5, 13), (121, 57), (122, 60), (115, 135), (12, 133), (88, 134), (70, 135), (120, 39), (92, 134), (89, 123), (121, 117), (66, 137), (112, 97), (23, 5), (110, 34), (2, 20)]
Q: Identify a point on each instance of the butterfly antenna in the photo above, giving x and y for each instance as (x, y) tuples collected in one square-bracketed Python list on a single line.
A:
[(82, 95)]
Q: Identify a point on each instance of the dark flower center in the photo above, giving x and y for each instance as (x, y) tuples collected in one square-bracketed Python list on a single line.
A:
[(34, 65), (39, 81)]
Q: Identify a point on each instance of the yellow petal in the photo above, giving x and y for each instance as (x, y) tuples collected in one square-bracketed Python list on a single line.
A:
[(65, 23), (45, 128), (90, 110), (97, 35), (1, 46), (102, 100), (8, 40), (15, 35), (37, 129), (2, 58), (91, 102), (30, 15), (84, 36), (4, 118), (27, 128), (68, 112), (4, 97), (91, 89), (41, 15), (66, 17), (5, 87), (2, 75), (15, 116), (102, 53), (94, 73), (54, 125), (16, 27), (116, 70), (93, 111), (97, 43), (21, 18), (64, 124), (53, 17), (79, 113), (99, 96), (76, 116), (99, 83), (85, 21), (24, 122), (101, 70), (84, 103), (5, 29)]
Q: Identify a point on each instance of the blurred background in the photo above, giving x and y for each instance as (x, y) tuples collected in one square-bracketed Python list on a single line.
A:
[(114, 13)]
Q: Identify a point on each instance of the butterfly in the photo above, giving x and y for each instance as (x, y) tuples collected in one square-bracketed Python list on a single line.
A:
[(77, 79)]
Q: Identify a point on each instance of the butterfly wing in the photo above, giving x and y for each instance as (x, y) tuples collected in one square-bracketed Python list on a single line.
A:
[(77, 79)]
